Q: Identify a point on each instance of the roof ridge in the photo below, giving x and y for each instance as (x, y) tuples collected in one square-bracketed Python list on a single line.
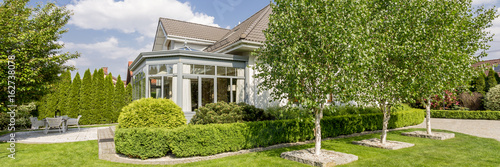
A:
[(252, 26), (194, 23)]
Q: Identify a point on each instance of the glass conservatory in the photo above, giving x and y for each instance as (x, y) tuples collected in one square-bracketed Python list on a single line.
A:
[(190, 78)]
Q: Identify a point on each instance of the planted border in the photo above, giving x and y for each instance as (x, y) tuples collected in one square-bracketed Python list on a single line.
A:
[(454, 114), (202, 140)]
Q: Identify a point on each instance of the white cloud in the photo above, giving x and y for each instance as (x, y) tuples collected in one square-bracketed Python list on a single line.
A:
[(130, 16), (109, 49), (484, 2)]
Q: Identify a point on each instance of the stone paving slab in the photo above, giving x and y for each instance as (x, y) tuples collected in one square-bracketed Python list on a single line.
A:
[(327, 158), (434, 135), (390, 145), (38, 137), (480, 128)]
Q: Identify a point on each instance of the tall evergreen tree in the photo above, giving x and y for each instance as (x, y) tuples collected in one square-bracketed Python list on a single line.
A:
[(98, 96), (491, 80), (128, 94), (109, 91), (86, 98), (74, 97), (119, 98), (63, 92), (52, 100), (479, 83)]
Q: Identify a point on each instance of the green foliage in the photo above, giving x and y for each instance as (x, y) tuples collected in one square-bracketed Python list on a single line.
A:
[(453, 114), (193, 140), (128, 93), (120, 98), (98, 96), (31, 34), (493, 99), (86, 99), (74, 97), (63, 92), (108, 106), (252, 113), (151, 112), (22, 117), (491, 80), (220, 112), (480, 83)]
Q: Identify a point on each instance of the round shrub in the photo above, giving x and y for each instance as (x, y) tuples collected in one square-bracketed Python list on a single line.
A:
[(252, 113), (493, 99), (220, 112), (151, 112)]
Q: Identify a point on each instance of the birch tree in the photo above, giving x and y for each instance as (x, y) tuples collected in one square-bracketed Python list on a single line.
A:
[(450, 34), (311, 51)]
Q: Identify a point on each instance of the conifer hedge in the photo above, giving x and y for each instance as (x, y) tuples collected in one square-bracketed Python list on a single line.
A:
[(94, 97)]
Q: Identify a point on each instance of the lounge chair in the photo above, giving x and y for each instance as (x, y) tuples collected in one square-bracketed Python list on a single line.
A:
[(53, 123), (35, 123), (73, 121)]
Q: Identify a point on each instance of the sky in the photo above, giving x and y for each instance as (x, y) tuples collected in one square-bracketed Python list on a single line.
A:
[(109, 33)]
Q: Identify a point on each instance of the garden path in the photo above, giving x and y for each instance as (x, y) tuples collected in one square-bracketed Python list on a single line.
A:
[(480, 128), (38, 137)]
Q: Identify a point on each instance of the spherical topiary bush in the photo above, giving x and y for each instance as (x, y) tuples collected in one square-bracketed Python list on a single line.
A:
[(151, 112), (220, 112), (493, 99)]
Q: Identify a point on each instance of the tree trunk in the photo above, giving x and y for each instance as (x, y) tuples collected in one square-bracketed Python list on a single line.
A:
[(387, 116), (428, 116), (317, 131)]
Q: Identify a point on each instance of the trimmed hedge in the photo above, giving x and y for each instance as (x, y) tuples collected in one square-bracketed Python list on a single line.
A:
[(492, 115), (194, 140), (151, 112)]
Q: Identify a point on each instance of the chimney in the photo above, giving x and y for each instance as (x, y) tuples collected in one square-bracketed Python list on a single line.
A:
[(105, 70)]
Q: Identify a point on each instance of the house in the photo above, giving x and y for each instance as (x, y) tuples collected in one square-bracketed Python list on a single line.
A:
[(114, 79), (195, 64), (494, 63)]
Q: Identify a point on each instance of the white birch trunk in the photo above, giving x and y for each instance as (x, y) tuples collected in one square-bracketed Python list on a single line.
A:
[(387, 116), (317, 131), (428, 116)]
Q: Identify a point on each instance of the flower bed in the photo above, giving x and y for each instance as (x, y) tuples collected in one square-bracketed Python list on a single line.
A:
[(195, 140)]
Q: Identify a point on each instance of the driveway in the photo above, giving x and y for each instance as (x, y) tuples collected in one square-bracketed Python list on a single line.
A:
[(480, 128)]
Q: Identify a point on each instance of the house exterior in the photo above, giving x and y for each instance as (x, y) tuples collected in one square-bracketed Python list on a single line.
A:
[(494, 63), (195, 64)]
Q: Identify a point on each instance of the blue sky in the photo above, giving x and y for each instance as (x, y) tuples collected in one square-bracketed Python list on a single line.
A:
[(109, 33)]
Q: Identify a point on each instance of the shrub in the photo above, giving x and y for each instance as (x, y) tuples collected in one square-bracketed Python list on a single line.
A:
[(473, 100), (252, 113), (194, 140), (287, 112), (493, 99), (220, 112), (491, 115), (151, 112)]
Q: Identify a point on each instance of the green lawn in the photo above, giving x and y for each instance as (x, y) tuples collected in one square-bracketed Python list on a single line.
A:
[(463, 150)]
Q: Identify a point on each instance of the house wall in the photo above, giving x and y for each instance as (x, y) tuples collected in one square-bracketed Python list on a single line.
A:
[(261, 100)]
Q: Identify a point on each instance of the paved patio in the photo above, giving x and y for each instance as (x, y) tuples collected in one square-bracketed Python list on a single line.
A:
[(38, 137), (480, 128)]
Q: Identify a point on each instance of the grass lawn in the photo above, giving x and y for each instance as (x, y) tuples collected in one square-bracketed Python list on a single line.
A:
[(463, 150)]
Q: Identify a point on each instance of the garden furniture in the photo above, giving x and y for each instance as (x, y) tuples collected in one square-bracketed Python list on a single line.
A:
[(53, 123), (35, 123), (73, 121)]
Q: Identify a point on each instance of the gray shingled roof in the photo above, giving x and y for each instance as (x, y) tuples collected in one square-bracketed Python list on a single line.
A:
[(192, 30), (250, 29)]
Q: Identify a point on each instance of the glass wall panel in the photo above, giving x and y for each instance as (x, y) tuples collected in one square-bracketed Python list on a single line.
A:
[(240, 72), (223, 89), (194, 94), (165, 69), (155, 87), (153, 69), (231, 71), (221, 71), (209, 70), (197, 69), (239, 93), (167, 87), (207, 90)]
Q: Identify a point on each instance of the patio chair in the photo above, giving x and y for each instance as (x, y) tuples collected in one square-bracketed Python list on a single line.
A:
[(53, 123), (73, 121), (35, 123)]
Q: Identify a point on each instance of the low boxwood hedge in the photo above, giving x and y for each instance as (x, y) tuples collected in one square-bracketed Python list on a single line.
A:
[(492, 115), (194, 140)]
